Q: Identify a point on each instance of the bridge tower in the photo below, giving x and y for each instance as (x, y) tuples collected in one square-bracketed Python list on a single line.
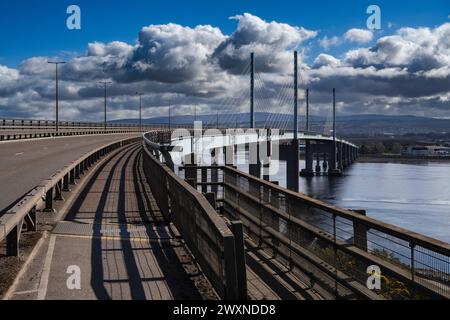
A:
[(334, 170), (255, 161), (292, 170)]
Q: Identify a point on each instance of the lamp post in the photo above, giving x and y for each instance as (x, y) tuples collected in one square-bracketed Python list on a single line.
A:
[(170, 118), (140, 109), (105, 83), (56, 63)]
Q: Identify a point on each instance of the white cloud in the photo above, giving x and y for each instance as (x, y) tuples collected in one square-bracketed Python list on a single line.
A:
[(358, 35), (272, 43), (326, 42), (200, 65), (326, 60)]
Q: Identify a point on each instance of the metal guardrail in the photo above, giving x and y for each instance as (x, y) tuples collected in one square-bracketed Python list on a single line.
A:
[(24, 211), (15, 129), (339, 244), (218, 250)]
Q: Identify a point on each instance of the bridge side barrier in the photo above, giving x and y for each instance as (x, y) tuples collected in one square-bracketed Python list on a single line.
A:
[(302, 228), (24, 211), (206, 234), (14, 129)]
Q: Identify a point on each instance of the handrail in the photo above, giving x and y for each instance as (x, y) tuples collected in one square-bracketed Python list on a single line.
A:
[(206, 234), (407, 235)]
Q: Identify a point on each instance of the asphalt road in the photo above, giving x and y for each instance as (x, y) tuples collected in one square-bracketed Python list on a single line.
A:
[(24, 164)]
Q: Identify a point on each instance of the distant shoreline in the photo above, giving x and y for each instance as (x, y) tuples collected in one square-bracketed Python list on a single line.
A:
[(396, 159)]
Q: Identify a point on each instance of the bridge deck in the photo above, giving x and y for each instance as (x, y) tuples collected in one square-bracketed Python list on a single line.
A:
[(115, 233)]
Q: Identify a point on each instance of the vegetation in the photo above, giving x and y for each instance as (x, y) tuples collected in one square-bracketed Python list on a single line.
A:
[(391, 288)]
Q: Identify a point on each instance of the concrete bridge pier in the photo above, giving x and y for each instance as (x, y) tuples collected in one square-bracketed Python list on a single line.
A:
[(266, 161), (214, 172), (332, 156), (292, 166), (254, 167), (318, 168), (190, 172), (325, 163), (309, 159)]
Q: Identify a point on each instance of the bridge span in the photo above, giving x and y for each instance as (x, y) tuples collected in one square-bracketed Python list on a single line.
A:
[(136, 229)]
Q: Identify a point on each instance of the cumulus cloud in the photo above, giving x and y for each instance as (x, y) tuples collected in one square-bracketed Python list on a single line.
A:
[(186, 66), (326, 42), (358, 35), (272, 43)]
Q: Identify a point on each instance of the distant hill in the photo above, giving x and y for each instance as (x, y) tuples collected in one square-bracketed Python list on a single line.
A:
[(346, 125)]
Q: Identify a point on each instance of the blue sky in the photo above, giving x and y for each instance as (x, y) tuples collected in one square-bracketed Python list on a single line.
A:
[(32, 28), (191, 54)]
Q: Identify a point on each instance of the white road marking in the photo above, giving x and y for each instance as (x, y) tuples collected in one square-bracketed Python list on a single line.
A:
[(19, 153), (17, 293), (46, 270)]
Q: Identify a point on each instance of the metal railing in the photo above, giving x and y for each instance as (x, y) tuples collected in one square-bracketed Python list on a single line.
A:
[(14, 129), (217, 249), (332, 245), (24, 211)]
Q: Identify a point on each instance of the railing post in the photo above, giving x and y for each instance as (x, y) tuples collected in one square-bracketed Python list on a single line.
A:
[(66, 182), (12, 242), (58, 189), (30, 220), (231, 285), (49, 200), (238, 232), (413, 267)]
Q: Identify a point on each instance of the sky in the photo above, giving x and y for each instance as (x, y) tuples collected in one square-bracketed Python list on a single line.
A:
[(195, 54)]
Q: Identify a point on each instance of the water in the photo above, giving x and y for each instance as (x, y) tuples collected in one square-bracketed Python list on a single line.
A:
[(412, 196)]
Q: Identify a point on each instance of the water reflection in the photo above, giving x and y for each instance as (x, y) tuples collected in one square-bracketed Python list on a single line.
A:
[(415, 196)]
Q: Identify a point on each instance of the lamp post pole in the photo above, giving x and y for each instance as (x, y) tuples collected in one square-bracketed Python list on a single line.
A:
[(105, 83), (140, 109), (56, 63)]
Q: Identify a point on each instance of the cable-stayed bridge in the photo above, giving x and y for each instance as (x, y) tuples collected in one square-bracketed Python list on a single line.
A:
[(138, 213)]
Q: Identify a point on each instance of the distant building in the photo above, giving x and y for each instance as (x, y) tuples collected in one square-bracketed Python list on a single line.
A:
[(426, 151)]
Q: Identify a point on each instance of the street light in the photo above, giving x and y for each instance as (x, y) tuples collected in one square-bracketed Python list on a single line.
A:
[(170, 120), (105, 83), (140, 109), (56, 63)]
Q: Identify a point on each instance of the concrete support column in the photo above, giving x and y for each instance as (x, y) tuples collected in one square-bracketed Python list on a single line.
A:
[(204, 173), (318, 168), (292, 168), (266, 162), (325, 163), (309, 159), (214, 172), (190, 173), (254, 167), (332, 154)]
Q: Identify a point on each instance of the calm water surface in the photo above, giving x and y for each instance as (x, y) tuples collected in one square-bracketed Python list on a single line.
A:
[(413, 196)]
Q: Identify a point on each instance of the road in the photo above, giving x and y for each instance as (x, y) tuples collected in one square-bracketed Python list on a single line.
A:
[(24, 164)]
